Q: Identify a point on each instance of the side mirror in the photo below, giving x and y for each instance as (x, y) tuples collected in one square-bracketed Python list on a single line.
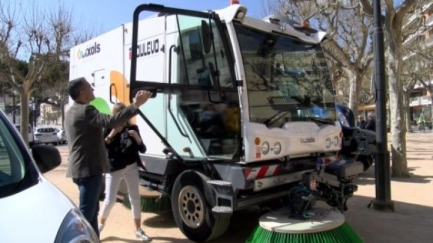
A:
[(347, 113), (206, 36), (47, 157)]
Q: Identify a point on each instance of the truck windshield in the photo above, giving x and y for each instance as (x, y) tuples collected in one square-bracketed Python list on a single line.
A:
[(287, 79)]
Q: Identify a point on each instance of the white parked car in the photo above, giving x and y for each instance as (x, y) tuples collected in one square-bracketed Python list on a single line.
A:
[(31, 137), (31, 208), (61, 135), (46, 135)]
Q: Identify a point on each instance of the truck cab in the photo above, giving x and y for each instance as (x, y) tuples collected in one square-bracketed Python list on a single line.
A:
[(245, 111)]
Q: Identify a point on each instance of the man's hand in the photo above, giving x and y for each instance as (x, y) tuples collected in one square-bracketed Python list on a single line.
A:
[(141, 97)]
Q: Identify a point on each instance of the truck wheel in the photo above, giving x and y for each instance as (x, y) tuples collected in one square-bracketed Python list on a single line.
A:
[(192, 203)]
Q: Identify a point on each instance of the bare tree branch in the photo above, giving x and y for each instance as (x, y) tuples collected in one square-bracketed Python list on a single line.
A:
[(401, 11), (389, 5), (366, 7), (405, 7), (343, 58)]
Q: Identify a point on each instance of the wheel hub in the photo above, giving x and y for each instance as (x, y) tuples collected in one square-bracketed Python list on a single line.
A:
[(191, 207)]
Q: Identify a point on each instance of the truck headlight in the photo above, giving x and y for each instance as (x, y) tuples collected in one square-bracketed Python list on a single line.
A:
[(277, 148), (265, 148), (75, 229)]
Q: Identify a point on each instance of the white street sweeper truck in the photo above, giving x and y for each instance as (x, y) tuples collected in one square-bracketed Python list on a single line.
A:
[(243, 111)]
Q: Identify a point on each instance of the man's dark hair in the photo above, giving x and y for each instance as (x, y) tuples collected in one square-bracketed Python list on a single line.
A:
[(75, 86)]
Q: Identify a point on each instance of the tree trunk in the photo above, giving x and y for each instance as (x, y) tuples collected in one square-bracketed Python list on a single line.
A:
[(431, 105), (24, 100), (355, 86), (398, 130), (406, 98), (62, 107)]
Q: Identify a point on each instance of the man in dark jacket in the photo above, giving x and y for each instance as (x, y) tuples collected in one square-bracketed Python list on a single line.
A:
[(371, 123), (87, 155), (361, 122)]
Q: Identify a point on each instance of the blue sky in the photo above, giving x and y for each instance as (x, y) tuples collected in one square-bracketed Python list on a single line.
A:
[(110, 14)]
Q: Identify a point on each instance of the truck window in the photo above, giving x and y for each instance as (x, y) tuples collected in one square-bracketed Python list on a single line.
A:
[(195, 65), (287, 80), (214, 124)]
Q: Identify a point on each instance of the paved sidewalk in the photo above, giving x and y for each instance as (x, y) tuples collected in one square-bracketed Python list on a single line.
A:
[(411, 222)]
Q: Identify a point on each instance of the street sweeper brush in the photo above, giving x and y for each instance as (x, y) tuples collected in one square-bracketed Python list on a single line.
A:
[(321, 226)]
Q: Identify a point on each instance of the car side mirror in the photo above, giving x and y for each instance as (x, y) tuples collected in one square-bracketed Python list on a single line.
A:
[(46, 157)]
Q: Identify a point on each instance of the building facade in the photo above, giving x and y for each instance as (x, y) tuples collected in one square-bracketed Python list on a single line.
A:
[(420, 41)]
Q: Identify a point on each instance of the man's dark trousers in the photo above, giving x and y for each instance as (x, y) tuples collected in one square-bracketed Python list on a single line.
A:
[(89, 198)]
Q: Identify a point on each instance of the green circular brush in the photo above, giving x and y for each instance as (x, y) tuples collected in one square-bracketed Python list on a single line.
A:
[(151, 204), (324, 226)]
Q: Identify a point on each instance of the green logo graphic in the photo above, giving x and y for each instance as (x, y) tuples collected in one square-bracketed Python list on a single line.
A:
[(101, 105)]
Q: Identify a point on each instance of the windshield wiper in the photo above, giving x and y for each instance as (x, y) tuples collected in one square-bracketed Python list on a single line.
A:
[(271, 120), (322, 120)]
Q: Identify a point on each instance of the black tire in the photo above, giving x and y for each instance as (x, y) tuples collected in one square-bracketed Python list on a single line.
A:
[(192, 203)]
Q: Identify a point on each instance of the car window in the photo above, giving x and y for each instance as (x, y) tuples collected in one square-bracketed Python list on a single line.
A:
[(12, 167), (47, 130), (42, 130)]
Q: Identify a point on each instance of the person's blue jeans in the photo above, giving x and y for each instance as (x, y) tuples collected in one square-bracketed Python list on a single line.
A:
[(89, 198)]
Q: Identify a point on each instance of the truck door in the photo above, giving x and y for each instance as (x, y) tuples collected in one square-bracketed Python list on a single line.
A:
[(196, 108)]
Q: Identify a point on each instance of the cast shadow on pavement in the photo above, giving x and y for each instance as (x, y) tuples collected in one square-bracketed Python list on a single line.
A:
[(164, 220), (408, 223), (368, 177), (241, 225)]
